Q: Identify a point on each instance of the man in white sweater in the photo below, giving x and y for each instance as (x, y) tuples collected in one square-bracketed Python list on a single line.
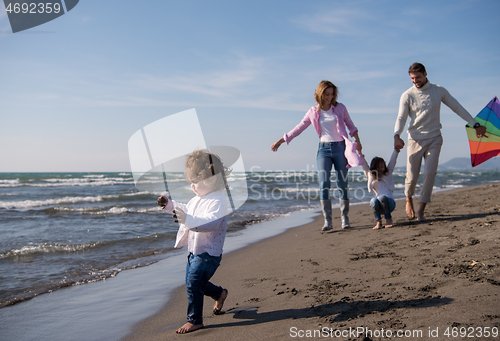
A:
[(422, 103)]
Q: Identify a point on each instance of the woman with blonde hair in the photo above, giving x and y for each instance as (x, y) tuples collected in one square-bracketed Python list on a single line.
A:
[(330, 119)]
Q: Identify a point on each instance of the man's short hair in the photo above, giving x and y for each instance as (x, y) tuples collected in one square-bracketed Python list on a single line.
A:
[(417, 67)]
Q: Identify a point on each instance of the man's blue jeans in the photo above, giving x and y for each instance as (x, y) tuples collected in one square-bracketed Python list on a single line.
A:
[(382, 205), (199, 270), (332, 154)]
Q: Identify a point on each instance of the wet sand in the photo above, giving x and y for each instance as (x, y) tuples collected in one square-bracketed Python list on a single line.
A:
[(415, 279)]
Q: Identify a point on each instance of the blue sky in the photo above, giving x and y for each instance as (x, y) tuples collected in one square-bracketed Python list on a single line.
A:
[(74, 90)]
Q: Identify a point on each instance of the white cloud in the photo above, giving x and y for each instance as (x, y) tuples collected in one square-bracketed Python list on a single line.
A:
[(48, 97), (220, 84), (338, 21), (243, 83)]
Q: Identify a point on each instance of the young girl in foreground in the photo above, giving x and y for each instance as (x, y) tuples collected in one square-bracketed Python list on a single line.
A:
[(380, 182), (203, 229)]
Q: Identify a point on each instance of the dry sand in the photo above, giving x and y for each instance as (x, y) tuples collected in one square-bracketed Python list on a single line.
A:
[(415, 278)]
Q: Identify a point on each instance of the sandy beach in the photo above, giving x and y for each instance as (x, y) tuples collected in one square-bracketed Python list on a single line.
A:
[(434, 280)]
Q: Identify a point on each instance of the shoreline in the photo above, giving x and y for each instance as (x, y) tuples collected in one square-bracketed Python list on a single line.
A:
[(48, 318), (118, 303), (437, 275)]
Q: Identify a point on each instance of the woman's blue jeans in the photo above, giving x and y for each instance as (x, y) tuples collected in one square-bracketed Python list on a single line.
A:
[(332, 154), (382, 205), (199, 270)]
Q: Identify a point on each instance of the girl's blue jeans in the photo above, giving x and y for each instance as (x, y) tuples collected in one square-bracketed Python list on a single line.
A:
[(332, 154), (382, 205), (199, 270)]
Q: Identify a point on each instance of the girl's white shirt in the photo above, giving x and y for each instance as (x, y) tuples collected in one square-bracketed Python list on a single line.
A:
[(329, 131), (384, 186), (206, 223)]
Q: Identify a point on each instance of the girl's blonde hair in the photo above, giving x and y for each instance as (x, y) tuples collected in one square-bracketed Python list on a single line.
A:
[(320, 90), (204, 165)]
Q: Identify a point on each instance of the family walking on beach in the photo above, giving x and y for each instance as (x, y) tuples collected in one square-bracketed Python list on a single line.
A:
[(204, 219), (422, 104)]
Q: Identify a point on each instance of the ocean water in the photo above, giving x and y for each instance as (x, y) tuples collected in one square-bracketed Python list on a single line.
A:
[(65, 229)]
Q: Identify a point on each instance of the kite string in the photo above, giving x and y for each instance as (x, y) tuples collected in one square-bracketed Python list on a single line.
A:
[(165, 182)]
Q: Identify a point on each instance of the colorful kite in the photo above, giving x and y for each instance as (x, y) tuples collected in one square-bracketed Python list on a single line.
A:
[(486, 147)]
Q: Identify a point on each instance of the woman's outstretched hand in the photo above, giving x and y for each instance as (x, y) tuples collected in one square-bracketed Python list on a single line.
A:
[(277, 144), (359, 147)]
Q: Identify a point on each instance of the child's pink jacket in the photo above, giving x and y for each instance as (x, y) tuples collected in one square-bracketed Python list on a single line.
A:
[(343, 120)]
